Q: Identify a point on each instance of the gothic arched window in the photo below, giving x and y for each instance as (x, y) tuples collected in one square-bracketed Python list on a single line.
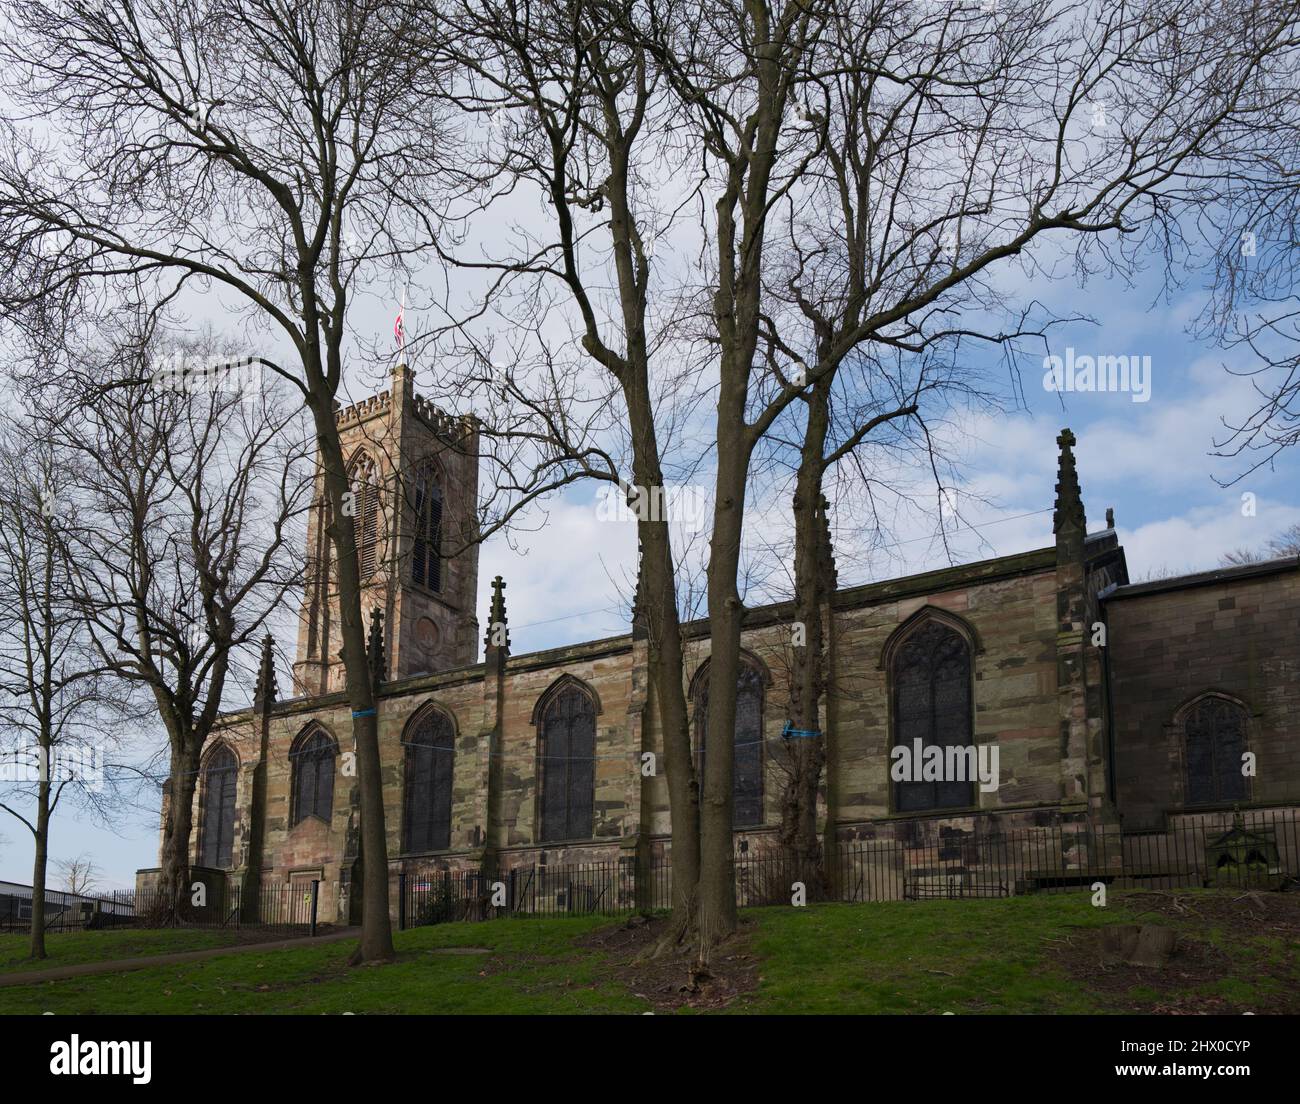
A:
[(747, 755), (430, 756), (217, 830), (363, 482), (567, 763), (931, 676), (1214, 736), (312, 764), (426, 561)]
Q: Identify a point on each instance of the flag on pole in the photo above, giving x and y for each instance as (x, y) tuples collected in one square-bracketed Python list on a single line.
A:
[(399, 327)]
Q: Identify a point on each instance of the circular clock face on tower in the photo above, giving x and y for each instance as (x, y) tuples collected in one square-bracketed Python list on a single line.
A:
[(426, 635)]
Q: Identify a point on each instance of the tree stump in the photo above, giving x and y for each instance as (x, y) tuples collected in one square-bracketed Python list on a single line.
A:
[(1137, 945), (1118, 941), (1154, 946)]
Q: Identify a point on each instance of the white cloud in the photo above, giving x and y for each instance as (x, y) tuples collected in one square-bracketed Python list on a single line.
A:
[(568, 580), (1198, 539)]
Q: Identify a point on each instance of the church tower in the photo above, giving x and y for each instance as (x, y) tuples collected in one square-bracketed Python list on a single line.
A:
[(413, 478)]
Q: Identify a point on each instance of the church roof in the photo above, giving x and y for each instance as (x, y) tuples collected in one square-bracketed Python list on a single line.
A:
[(1207, 578)]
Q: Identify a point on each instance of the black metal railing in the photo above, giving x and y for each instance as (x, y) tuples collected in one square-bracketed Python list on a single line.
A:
[(607, 888), (1259, 849), (295, 908)]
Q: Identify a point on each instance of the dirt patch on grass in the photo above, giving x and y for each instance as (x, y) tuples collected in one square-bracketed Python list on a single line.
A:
[(668, 982), (1248, 940)]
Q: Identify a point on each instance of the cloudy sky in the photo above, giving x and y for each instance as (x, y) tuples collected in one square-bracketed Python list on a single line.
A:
[(1151, 461)]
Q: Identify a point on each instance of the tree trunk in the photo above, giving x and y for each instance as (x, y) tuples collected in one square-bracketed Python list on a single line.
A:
[(376, 928), (807, 755), (178, 829), (737, 312), (717, 907), (656, 568), (40, 862), (666, 662)]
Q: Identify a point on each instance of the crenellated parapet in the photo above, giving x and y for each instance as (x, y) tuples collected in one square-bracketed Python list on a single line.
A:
[(453, 430), (360, 411)]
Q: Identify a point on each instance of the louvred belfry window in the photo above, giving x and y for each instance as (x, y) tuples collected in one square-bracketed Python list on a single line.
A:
[(567, 761), (218, 829), (426, 562), (312, 764), (932, 703), (1214, 734), (430, 756), (364, 485), (747, 756)]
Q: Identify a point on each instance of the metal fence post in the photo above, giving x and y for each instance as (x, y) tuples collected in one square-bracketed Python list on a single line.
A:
[(401, 901), (315, 900)]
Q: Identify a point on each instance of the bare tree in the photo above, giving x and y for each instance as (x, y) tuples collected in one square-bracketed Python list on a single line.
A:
[(571, 101), (274, 131), (1248, 218), (279, 154), (77, 875), (191, 486), (881, 399), (966, 134), (55, 699)]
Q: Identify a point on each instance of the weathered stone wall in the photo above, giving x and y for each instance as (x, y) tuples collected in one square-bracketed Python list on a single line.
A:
[(1235, 634), (1006, 607), (1011, 621), (1237, 637)]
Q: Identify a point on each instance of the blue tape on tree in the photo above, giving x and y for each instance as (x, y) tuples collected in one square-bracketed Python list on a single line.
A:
[(363, 712), (790, 733)]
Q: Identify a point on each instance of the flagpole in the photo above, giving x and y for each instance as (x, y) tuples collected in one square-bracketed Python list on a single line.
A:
[(399, 331)]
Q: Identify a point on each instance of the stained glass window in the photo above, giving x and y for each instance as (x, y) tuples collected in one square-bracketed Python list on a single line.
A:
[(218, 829), (430, 755), (1214, 731), (932, 703), (312, 761), (747, 756), (567, 761)]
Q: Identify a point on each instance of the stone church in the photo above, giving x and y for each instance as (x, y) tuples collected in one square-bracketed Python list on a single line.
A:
[(1109, 702)]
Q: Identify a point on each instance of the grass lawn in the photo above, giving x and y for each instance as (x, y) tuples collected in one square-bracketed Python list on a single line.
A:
[(531, 967), (1027, 955), (74, 948), (918, 956)]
